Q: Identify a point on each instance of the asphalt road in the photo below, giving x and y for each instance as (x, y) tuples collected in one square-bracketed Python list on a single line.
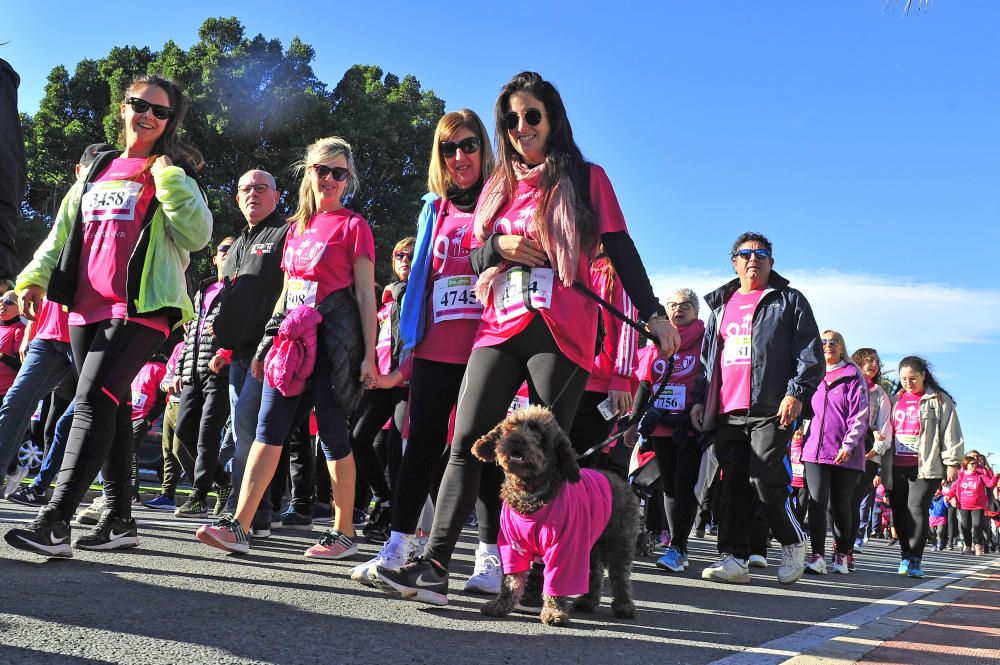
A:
[(174, 600)]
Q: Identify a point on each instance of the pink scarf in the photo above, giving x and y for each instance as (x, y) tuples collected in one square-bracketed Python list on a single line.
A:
[(561, 242)]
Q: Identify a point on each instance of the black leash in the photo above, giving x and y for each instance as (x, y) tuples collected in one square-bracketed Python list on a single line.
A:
[(641, 329)]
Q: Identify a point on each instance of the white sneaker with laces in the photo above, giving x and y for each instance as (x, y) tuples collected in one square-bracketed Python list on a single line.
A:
[(757, 561), (92, 513), (392, 556), (728, 569), (14, 480), (793, 563), (839, 564), (486, 576)]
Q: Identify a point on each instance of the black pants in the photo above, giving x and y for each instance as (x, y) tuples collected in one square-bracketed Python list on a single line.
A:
[(590, 427), (108, 355), (374, 408), (203, 411), (60, 401), (832, 486), (678, 476), (751, 452), (972, 522), (491, 380), (302, 469), (910, 499)]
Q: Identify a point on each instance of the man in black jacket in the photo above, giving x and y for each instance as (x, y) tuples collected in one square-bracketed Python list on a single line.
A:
[(761, 361), (255, 280), (13, 168)]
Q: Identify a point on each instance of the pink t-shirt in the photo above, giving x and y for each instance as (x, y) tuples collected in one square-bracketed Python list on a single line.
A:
[(736, 331), (211, 292), (677, 395), (561, 534), (171, 369), (11, 336), (617, 361), (971, 488), (571, 316), (320, 260), (795, 460), (113, 209), (52, 322), (383, 343), (453, 312), (144, 388), (906, 422)]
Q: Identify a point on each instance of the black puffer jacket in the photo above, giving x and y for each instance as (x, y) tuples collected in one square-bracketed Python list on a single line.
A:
[(199, 349)]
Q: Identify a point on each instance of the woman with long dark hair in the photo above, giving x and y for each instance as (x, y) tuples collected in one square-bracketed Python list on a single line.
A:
[(116, 258), (539, 220)]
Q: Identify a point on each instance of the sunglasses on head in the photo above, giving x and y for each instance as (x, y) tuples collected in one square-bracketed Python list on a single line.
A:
[(339, 172), (260, 188), (531, 116), (399, 256), (468, 145), (745, 254), (140, 106)]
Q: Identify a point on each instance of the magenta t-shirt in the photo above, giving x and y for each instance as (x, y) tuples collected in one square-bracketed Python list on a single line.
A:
[(320, 260), (453, 312), (561, 534), (906, 423), (211, 292), (383, 343), (52, 322), (736, 331), (571, 316), (676, 397), (11, 336), (144, 388)]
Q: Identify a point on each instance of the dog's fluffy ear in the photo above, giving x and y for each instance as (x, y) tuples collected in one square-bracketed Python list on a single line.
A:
[(566, 457), (484, 449)]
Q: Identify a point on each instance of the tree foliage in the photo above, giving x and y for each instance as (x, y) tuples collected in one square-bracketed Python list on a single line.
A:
[(253, 104)]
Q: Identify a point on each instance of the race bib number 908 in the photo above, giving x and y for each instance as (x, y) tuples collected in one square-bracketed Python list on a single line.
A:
[(300, 292)]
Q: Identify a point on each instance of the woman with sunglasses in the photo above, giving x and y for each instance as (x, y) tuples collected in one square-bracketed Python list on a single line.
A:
[(834, 453), (116, 258), (539, 220), (438, 325), (329, 264), (927, 448)]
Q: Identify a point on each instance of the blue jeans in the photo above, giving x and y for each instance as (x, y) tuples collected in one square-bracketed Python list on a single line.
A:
[(53, 458), (244, 400), (45, 366)]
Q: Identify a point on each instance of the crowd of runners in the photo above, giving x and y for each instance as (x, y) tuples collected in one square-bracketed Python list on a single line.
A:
[(520, 286)]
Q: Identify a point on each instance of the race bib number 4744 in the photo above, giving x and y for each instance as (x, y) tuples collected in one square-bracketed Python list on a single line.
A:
[(519, 287)]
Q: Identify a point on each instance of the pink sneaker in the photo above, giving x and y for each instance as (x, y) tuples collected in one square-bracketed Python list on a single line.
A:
[(332, 545), (225, 534)]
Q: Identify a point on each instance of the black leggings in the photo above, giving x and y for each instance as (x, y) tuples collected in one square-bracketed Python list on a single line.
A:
[(108, 355), (832, 486), (678, 475), (492, 378), (374, 408), (972, 526), (910, 499)]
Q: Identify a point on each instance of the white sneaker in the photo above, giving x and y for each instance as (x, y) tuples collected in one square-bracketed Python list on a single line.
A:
[(391, 556), (486, 576), (14, 480), (727, 569), (757, 561), (839, 564), (92, 513), (793, 563)]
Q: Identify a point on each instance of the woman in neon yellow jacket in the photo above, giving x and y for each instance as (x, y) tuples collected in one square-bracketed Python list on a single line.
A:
[(116, 258)]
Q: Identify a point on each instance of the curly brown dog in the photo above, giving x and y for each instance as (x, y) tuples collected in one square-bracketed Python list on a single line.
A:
[(538, 463)]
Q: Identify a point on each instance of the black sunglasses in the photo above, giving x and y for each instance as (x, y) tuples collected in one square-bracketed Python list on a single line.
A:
[(224, 248), (9, 302), (531, 116), (140, 106), (399, 256), (745, 254), (468, 145), (339, 172)]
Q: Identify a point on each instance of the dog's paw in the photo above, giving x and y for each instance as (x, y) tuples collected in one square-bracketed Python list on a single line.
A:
[(554, 617), (623, 609), (585, 605), (495, 608)]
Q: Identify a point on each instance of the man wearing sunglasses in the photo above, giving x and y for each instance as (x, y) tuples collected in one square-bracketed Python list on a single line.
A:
[(761, 361)]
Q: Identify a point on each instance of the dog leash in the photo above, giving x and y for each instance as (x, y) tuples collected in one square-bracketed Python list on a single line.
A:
[(641, 329)]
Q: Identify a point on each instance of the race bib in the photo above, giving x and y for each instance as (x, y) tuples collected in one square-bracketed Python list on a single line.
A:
[(519, 402), (906, 444), (300, 292), (736, 350), (516, 286), (138, 399), (798, 469), (455, 298), (673, 398), (110, 200)]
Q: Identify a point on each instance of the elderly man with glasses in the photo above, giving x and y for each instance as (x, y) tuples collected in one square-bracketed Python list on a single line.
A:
[(761, 361)]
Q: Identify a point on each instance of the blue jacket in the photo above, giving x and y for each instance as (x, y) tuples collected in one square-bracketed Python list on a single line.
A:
[(939, 507), (413, 313)]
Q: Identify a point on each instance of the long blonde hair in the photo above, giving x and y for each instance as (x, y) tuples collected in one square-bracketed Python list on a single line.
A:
[(321, 151), (438, 179)]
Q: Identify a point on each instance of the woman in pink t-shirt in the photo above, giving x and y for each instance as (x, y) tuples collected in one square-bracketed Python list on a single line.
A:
[(329, 264), (116, 256), (539, 221)]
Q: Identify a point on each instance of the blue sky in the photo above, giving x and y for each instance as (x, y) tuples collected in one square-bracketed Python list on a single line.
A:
[(863, 143)]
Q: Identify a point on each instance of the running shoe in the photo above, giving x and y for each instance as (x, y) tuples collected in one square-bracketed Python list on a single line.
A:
[(260, 528), (226, 534), (859, 546), (979, 550), (392, 556), (793, 563), (849, 558), (727, 569), (90, 515), (816, 565), (966, 550), (13, 480), (291, 519), (111, 533), (699, 532), (195, 507), (839, 564), (486, 576), (378, 527), (915, 568), (28, 496), (415, 547), (674, 560), (161, 502), (472, 521), (322, 513), (221, 498), (46, 535), (358, 518), (422, 580), (332, 546), (904, 566), (757, 561)]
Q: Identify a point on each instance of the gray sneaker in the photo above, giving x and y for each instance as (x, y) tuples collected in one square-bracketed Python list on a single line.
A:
[(727, 569), (194, 507)]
